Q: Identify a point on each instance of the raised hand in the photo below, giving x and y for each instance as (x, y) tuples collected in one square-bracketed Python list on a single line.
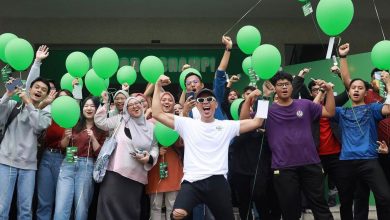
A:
[(68, 133), (268, 88), (303, 72), (234, 79), (344, 50), (42, 53), (227, 41), (50, 98), (163, 80), (23, 96), (125, 86), (105, 97)]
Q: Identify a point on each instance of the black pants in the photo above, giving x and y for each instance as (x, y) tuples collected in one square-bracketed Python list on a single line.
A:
[(361, 201), (370, 173), (309, 178), (213, 191), (263, 196)]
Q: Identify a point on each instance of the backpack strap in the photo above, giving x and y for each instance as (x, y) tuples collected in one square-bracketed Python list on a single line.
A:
[(15, 111)]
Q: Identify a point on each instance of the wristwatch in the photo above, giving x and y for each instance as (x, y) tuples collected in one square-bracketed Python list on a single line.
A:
[(228, 49)]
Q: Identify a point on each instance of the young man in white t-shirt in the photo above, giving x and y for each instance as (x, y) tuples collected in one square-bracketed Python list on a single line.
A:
[(206, 144)]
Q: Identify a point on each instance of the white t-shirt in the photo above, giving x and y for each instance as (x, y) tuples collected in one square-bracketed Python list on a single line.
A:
[(206, 146), (195, 113)]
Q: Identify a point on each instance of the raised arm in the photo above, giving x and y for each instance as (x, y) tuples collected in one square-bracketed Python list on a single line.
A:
[(35, 71), (299, 85), (165, 118), (100, 118), (246, 123), (227, 41), (345, 74), (329, 109)]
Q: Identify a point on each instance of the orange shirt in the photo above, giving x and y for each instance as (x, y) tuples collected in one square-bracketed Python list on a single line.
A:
[(175, 172)]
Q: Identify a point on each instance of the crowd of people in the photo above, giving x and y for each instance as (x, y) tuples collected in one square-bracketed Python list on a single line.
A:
[(271, 163)]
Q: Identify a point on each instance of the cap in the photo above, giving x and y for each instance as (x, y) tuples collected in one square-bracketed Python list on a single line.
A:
[(203, 91)]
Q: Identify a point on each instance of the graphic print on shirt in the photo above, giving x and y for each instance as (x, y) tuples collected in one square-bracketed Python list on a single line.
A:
[(299, 113)]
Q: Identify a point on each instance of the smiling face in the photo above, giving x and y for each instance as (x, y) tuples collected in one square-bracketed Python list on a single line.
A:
[(89, 109), (357, 92), (193, 84), (167, 103), (178, 109), (206, 105), (119, 101), (134, 107), (143, 101), (38, 91), (232, 96)]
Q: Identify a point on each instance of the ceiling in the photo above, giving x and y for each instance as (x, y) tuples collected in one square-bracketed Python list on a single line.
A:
[(172, 9)]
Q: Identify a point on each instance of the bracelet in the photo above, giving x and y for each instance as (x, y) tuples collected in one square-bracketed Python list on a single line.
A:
[(345, 56), (229, 50), (322, 90)]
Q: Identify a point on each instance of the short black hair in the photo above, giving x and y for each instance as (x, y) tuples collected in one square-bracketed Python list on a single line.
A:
[(366, 85), (43, 80), (311, 84), (68, 93), (249, 88), (280, 76), (192, 74), (52, 81)]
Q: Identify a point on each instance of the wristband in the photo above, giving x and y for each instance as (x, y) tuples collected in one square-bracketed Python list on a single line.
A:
[(345, 56), (229, 50), (266, 98)]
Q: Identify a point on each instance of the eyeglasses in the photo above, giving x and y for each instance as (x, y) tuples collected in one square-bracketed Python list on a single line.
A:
[(283, 84), (315, 89), (195, 81), (131, 105), (208, 99)]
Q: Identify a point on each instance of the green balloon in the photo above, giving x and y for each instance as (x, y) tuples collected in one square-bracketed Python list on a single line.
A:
[(165, 135), (234, 108), (105, 62), (66, 82), (334, 16), (4, 39), (126, 74), (77, 64), (184, 74), (19, 54), (151, 68), (65, 111), (95, 84), (248, 39), (266, 61), (246, 65), (380, 55)]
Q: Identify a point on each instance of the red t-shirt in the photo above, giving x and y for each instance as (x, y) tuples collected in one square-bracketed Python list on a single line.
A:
[(328, 142), (54, 135), (83, 144), (372, 97)]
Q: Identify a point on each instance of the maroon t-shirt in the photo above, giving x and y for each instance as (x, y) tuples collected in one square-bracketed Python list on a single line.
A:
[(289, 133), (84, 146)]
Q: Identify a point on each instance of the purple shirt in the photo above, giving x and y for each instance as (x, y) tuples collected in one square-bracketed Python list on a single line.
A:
[(289, 133)]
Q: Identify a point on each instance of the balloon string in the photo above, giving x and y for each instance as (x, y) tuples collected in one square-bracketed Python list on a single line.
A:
[(318, 33), (254, 6), (379, 20)]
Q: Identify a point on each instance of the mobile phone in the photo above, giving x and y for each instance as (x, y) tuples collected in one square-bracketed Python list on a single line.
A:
[(377, 75), (77, 92), (188, 94), (14, 84)]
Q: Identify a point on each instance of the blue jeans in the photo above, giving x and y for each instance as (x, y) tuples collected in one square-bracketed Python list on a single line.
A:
[(47, 176), (25, 180), (75, 186)]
